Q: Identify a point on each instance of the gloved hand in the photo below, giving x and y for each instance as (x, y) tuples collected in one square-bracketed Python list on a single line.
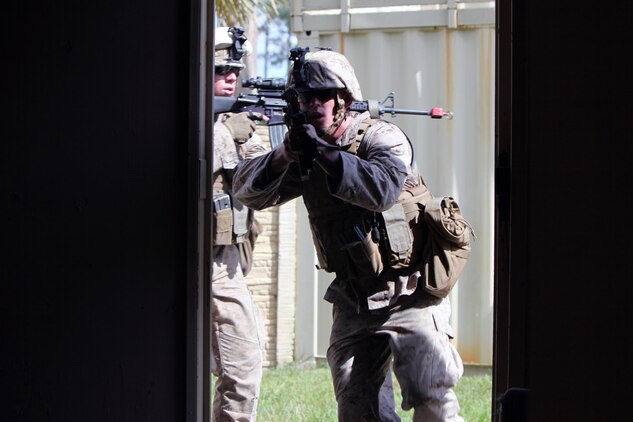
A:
[(301, 143), (240, 125), (328, 156)]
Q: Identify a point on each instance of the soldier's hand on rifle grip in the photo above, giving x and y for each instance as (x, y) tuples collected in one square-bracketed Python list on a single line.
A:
[(303, 143), (296, 138), (286, 150), (304, 147), (328, 156), (240, 125)]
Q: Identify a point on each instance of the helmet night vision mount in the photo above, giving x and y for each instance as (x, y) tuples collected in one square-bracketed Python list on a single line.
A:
[(236, 51)]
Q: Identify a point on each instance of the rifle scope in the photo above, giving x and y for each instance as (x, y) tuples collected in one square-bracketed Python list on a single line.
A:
[(277, 84)]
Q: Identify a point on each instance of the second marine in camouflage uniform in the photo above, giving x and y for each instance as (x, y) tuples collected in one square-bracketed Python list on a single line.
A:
[(236, 326)]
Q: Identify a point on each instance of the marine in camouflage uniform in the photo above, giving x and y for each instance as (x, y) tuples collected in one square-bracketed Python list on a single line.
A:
[(236, 326), (380, 316)]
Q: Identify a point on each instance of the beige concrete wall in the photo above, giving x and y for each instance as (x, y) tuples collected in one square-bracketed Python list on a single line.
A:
[(272, 285)]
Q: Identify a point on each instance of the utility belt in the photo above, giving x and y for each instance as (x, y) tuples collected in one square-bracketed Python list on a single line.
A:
[(231, 220)]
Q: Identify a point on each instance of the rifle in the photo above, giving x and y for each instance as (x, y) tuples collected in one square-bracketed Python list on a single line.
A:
[(269, 102)]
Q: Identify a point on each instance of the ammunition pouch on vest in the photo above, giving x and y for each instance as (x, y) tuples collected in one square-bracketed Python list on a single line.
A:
[(428, 234), (231, 220), (362, 251), (447, 246), (346, 241), (402, 232), (222, 219)]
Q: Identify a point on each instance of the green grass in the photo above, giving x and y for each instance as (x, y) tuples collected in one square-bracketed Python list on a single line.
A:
[(294, 394)]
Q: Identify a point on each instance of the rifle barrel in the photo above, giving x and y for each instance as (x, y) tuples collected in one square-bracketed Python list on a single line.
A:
[(406, 111), (381, 109)]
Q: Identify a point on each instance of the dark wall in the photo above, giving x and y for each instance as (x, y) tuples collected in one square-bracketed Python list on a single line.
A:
[(94, 197), (564, 260)]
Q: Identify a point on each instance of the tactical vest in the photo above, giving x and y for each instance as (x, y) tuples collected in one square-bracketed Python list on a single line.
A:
[(232, 219), (418, 231), (345, 239), (356, 243)]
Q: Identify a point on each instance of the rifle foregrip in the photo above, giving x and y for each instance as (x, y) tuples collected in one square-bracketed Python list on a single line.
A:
[(373, 106)]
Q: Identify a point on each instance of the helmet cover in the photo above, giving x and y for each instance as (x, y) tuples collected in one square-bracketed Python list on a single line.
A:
[(326, 69)]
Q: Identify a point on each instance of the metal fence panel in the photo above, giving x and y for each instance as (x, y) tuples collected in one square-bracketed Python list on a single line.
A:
[(430, 66)]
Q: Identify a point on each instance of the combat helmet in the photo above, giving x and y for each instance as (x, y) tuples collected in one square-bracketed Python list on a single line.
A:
[(230, 45), (323, 69)]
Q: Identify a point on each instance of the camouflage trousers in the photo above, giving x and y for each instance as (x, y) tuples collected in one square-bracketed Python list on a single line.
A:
[(414, 343), (236, 340)]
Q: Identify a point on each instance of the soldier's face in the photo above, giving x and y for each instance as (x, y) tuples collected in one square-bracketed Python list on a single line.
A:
[(319, 105), (225, 82)]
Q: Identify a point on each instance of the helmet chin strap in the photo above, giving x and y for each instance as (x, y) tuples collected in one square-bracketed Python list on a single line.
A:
[(339, 117)]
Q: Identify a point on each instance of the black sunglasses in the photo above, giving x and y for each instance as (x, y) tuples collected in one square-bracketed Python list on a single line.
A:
[(322, 95), (225, 70)]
